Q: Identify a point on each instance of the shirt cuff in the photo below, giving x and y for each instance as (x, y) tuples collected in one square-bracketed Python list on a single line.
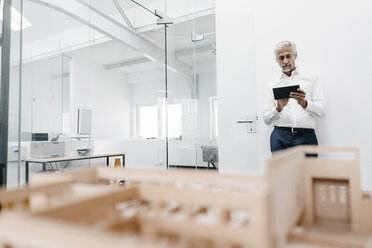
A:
[(310, 106), (275, 112)]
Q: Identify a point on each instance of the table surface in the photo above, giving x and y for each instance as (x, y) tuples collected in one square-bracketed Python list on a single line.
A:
[(73, 157)]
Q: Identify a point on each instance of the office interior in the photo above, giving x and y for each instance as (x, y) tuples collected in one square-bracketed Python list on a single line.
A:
[(166, 82), (108, 57), (178, 86)]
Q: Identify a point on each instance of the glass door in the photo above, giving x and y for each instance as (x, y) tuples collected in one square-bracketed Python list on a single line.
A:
[(205, 71), (192, 101)]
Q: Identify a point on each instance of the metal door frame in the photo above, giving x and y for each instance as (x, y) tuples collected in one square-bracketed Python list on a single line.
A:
[(4, 91)]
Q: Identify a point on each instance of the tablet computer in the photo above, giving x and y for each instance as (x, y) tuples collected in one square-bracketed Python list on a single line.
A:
[(283, 92)]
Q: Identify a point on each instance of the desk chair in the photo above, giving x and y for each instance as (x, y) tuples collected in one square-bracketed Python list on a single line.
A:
[(210, 155)]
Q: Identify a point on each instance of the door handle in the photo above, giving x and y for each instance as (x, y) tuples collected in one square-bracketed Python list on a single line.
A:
[(250, 121), (244, 121)]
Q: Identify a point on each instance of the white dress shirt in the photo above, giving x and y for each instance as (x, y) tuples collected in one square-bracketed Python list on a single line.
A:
[(293, 114)]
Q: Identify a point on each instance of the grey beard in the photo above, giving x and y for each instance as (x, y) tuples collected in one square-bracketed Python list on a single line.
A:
[(288, 69)]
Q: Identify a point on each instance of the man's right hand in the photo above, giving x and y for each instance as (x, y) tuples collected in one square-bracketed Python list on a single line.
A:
[(280, 104)]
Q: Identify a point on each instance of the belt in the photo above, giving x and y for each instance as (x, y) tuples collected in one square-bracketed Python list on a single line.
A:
[(296, 129)]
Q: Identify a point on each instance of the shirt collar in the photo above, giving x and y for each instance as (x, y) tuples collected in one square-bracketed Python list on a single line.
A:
[(294, 73)]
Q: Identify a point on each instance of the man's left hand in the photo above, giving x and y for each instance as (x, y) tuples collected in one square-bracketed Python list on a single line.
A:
[(299, 96)]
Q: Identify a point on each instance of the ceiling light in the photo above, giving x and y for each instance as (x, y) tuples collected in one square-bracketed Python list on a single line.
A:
[(15, 18)]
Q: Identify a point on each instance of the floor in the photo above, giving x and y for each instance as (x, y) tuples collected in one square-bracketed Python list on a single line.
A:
[(14, 182)]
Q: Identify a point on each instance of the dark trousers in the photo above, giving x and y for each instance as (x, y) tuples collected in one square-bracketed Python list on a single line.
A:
[(282, 139)]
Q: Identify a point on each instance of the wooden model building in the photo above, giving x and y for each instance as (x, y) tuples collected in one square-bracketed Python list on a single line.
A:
[(300, 202)]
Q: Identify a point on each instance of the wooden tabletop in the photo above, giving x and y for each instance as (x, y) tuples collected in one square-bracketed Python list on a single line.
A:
[(73, 157)]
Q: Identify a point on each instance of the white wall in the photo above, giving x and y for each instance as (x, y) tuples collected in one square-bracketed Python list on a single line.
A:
[(106, 92), (148, 154), (333, 40), (42, 98)]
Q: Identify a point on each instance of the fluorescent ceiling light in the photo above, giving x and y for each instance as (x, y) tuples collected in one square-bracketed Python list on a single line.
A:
[(15, 18)]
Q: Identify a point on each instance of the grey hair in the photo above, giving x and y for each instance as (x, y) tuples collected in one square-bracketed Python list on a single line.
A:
[(284, 44)]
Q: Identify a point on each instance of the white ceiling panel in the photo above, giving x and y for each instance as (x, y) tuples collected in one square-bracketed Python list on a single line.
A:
[(45, 21)]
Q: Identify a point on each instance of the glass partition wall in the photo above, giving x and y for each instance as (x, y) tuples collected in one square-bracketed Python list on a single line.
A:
[(126, 81), (11, 87), (187, 111), (43, 79)]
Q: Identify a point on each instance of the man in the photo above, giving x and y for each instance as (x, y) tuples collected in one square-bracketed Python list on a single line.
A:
[(293, 118)]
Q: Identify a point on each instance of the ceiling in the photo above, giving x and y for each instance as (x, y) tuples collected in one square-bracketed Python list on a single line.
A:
[(58, 22), (37, 15), (108, 7), (178, 36)]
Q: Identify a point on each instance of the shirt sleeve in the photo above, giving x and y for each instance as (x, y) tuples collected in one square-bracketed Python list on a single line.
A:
[(316, 105), (270, 114)]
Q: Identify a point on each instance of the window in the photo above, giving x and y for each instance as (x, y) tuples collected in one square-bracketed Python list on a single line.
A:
[(149, 121), (174, 121), (214, 118)]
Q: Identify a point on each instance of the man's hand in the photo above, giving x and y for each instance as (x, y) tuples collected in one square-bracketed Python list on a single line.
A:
[(299, 96), (280, 104)]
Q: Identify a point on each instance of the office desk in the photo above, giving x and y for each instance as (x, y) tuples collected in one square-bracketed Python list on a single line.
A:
[(44, 161)]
